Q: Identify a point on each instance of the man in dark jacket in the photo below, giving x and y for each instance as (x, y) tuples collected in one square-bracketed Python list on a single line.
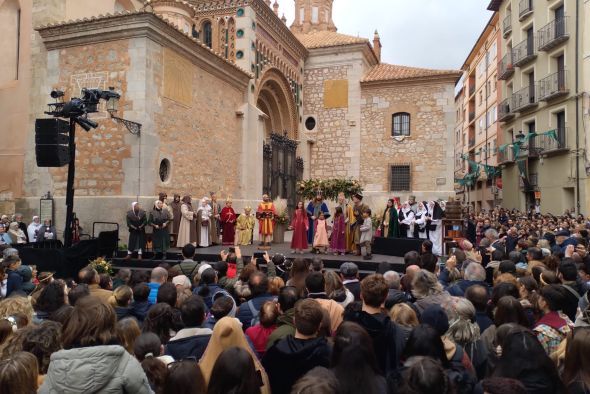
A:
[(249, 310), (140, 304), (293, 356), (395, 295), (14, 282), (568, 273), (349, 272), (474, 274), (478, 295), (192, 340), (288, 296), (388, 339)]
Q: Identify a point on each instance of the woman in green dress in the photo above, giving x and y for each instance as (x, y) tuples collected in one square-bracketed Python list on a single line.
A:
[(159, 219), (390, 224)]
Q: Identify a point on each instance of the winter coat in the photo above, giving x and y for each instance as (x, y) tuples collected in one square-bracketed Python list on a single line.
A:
[(458, 289), (291, 358), (245, 314), (388, 338), (139, 310), (189, 342), (285, 327), (153, 297), (97, 369)]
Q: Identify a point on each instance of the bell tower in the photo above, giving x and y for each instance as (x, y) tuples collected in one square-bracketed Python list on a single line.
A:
[(313, 15)]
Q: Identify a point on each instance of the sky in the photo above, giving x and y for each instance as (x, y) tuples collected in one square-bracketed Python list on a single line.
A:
[(418, 33)]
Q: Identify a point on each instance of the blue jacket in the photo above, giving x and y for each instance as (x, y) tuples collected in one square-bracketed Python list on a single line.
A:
[(189, 342), (153, 297), (458, 289), (245, 314), (14, 282)]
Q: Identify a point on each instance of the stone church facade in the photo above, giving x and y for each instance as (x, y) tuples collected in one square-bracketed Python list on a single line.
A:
[(210, 81)]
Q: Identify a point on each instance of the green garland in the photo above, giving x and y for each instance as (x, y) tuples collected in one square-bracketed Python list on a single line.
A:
[(329, 188)]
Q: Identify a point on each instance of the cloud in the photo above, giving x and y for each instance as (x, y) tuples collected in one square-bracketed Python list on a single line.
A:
[(419, 33)]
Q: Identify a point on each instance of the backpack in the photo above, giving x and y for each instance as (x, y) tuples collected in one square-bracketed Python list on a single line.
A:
[(255, 314)]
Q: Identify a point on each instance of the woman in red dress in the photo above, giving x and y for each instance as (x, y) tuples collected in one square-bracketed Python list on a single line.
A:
[(228, 217), (299, 225)]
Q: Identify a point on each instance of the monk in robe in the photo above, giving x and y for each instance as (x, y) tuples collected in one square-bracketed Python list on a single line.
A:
[(159, 219), (299, 225), (136, 222), (187, 231), (176, 214), (215, 224), (265, 215), (357, 211), (228, 223), (245, 225), (204, 218)]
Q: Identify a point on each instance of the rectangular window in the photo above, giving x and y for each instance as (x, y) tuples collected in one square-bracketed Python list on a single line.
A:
[(400, 124), (301, 15), (315, 12), (400, 178)]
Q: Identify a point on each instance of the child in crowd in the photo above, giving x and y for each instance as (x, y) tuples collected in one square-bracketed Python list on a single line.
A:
[(366, 234), (320, 239)]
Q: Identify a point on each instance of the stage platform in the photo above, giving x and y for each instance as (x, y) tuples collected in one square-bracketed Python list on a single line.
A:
[(211, 254)]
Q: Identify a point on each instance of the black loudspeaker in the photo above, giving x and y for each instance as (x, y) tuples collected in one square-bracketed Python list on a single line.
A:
[(52, 142)]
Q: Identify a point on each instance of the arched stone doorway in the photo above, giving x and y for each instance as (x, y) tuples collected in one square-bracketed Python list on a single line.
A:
[(275, 99), (281, 167)]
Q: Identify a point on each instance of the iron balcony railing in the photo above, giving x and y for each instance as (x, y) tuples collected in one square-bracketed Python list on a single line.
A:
[(553, 34), (507, 24), (505, 67), (506, 156), (471, 142), (471, 89), (505, 112), (525, 8), (525, 99), (553, 86), (471, 116), (524, 52), (549, 144)]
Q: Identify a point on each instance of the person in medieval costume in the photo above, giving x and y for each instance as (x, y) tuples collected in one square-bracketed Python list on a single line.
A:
[(265, 215), (389, 223), (176, 204), (162, 196), (204, 223), (320, 236), (245, 225), (159, 219), (338, 237), (314, 208), (434, 228), (136, 222), (357, 211), (420, 221), (228, 223), (33, 229), (215, 224), (406, 221), (299, 225), (187, 231)]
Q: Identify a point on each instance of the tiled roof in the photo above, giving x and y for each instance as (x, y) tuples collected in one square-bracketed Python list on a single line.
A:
[(392, 72), (324, 39)]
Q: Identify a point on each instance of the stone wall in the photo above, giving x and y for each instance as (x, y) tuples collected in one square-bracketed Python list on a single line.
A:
[(428, 149), (329, 158)]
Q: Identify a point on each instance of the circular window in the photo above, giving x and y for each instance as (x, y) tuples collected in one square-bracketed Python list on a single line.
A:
[(239, 54), (310, 123), (164, 170), (240, 12), (240, 33)]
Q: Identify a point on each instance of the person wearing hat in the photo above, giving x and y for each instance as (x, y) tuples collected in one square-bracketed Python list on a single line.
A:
[(413, 204), (215, 225), (227, 218), (176, 213), (563, 239), (136, 222), (244, 225), (265, 214), (314, 208), (349, 272), (357, 211)]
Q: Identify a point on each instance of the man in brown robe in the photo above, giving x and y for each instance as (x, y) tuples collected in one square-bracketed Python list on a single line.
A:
[(215, 225), (176, 214), (187, 231), (357, 210)]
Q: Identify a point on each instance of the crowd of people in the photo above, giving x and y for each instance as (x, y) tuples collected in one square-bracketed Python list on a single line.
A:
[(506, 311)]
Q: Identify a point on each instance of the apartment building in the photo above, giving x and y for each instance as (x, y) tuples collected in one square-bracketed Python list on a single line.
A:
[(544, 86), (476, 99)]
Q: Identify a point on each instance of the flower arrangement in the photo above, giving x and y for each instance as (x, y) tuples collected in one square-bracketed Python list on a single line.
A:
[(282, 213), (102, 266), (330, 188)]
